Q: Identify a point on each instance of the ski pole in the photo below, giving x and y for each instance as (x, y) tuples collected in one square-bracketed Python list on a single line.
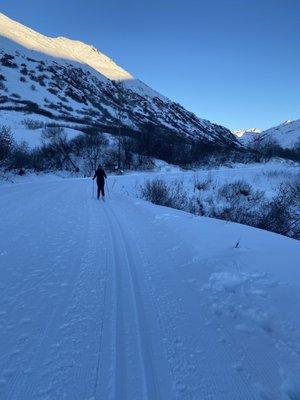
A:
[(93, 194)]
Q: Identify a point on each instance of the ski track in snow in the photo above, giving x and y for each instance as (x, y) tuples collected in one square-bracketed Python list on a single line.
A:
[(124, 300)]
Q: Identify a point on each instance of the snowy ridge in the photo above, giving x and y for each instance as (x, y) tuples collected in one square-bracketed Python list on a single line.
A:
[(287, 135), (241, 133), (62, 47), (66, 80)]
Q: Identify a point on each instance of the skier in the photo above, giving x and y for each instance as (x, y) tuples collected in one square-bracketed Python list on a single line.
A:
[(101, 176)]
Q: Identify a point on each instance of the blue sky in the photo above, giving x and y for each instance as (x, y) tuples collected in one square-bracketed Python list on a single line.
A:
[(234, 62)]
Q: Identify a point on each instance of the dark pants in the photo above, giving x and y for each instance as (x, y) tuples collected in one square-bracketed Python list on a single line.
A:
[(100, 185)]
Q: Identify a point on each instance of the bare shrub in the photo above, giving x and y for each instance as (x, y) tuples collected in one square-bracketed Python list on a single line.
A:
[(2, 86), (249, 207), (56, 140), (44, 158), (6, 143), (240, 203), (196, 207), (90, 147), (282, 213), (294, 187), (7, 60), (273, 173), (233, 190), (33, 124), (202, 184), (236, 202), (172, 195), (272, 148), (238, 213), (156, 191), (20, 157), (179, 196)]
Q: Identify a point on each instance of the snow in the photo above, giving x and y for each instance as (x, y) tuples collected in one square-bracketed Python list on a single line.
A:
[(287, 135), (126, 300), (291, 384), (40, 62), (61, 47), (266, 177), (15, 119), (67, 50), (144, 90), (241, 133), (32, 137), (163, 166)]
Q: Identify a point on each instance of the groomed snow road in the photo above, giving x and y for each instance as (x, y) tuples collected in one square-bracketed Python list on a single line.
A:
[(125, 300)]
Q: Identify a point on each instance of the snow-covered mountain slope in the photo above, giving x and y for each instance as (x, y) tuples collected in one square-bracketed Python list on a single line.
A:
[(125, 300), (287, 135), (67, 80), (241, 133), (61, 47)]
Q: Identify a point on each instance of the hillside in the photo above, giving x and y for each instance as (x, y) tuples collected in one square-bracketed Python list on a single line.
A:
[(71, 82), (287, 135), (242, 133)]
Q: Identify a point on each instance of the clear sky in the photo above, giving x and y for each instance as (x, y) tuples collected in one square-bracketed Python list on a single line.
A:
[(234, 62)]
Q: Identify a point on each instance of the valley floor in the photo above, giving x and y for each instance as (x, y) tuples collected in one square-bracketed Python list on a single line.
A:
[(126, 300)]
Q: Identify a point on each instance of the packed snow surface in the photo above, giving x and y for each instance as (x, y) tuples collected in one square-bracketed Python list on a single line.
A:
[(126, 300)]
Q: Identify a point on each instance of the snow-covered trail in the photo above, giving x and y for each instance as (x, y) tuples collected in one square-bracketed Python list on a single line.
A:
[(72, 320), (125, 300)]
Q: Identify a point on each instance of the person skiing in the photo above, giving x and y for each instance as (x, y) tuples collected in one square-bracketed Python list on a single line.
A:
[(101, 176)]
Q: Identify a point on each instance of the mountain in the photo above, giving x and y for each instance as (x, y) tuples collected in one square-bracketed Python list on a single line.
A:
[(69, 81), (247, 136), (287, 135), (242, 133)]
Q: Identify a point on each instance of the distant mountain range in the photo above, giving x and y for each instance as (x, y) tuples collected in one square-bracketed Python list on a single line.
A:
[(287, 135), (242, 133), (67, 81)]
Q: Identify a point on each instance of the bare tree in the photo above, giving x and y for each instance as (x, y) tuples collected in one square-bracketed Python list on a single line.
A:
[(56, 138), (120, 117), (91, 148), (6, 143), (127, 153)]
